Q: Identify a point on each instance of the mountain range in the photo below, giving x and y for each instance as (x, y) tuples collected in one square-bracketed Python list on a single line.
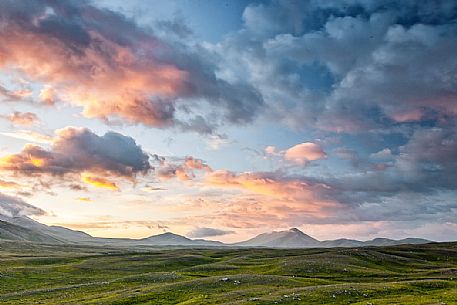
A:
[(26, 229)]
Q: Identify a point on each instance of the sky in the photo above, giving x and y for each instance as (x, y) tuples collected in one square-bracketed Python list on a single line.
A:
[(226, 119)]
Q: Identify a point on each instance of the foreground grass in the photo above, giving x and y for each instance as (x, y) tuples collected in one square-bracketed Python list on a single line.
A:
[(40, 274)]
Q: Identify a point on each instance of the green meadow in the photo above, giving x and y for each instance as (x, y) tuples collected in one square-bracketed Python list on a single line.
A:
[(55, 274)]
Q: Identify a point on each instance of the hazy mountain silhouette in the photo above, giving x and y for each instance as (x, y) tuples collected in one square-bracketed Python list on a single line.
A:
[(171, 239), (9, 231), (26, 229), (293, 238)]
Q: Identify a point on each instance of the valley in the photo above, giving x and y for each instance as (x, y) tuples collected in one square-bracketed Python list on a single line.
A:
[(33, 273)]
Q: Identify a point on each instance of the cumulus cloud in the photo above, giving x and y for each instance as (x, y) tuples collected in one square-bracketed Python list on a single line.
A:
[(100, 60), (294, 61), (48, 95), (425, 165), (13, 207), (184, 171), (304, 152), (300, 154), (385, 153), (207, 232), (413, 183), (382, 71), (80, 151), (301, 57), (430, 159), (271, 150)]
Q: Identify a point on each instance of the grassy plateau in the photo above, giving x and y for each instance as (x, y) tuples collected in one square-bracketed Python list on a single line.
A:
[(63, 274)]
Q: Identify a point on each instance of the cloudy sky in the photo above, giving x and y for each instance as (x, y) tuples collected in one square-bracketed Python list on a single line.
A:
[(225, 119)]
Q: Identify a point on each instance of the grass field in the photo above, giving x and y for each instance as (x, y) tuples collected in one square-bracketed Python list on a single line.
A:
[(39, 274)]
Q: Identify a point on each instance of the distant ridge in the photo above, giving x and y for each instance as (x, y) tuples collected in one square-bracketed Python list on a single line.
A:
[(9, 231), (26, 229), (171, 239), (294, 238)]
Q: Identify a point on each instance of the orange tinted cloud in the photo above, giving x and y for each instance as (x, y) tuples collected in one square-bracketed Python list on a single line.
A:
[(99, 182), (184, 171), (271, 198), (32, 159), (248, 210), (48, 95), (22, 118), (101, 74), (8, 184), (265, 184), (78, 151), (85, 199), (104, 78), (112, 68), (192, 163)]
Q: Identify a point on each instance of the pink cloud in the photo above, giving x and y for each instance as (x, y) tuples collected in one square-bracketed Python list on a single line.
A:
[(271, 150), (22, 118), (105, 78), (284, 195), (184, 171), (304, 152), (408, 116), (115, 70)]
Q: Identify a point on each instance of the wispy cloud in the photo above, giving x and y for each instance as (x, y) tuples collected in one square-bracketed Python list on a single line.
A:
[(207, 232), (29, 135), (22, 118)]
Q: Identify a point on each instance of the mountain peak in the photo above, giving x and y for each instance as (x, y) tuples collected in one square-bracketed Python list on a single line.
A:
[(292, 238), (27, 229), (168, 234), (296, 230)]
